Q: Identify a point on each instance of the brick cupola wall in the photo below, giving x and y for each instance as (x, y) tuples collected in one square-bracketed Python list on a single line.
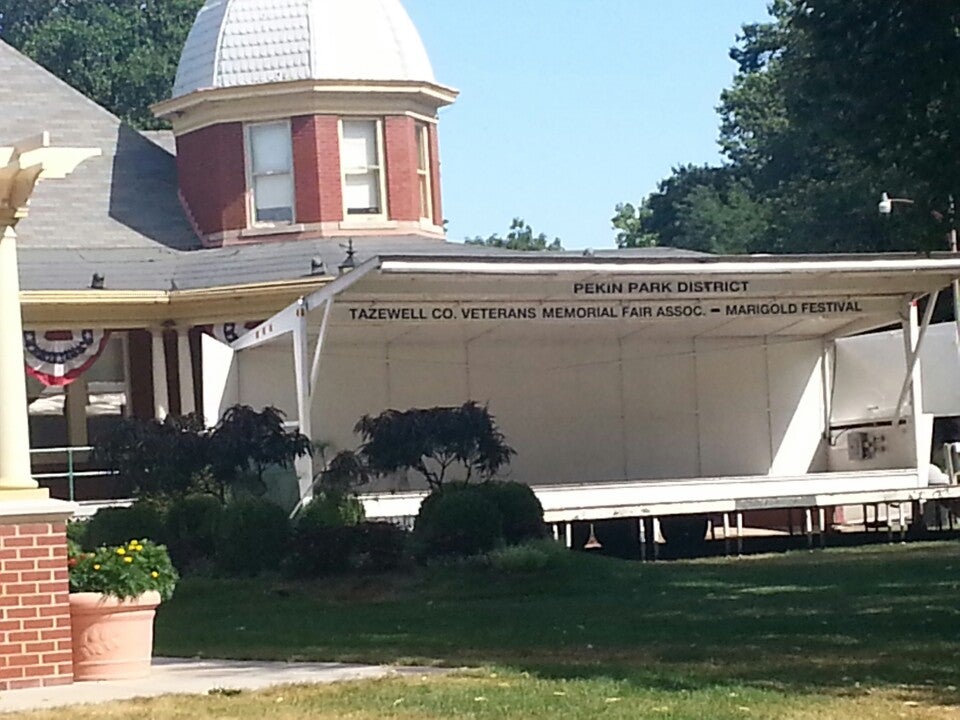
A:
[(213, 180)]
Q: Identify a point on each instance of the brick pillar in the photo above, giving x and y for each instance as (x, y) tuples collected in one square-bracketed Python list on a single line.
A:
[(435, 174), (403, 189), (35, 645), (316, 168)]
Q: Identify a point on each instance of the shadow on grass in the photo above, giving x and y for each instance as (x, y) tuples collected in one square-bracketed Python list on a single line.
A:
[(842, 622)]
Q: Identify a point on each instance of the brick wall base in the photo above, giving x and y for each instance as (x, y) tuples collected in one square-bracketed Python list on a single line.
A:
[(35, 645)]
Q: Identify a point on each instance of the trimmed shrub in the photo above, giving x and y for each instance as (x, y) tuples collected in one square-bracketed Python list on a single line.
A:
[(319, 550), (457, 520), (527, 558), (252, 537), (120, 525), (378, 547), (77, 532), (331, 510), (192, 523), (521, 510)]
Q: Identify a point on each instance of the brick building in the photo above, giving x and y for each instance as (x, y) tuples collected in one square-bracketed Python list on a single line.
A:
[(298, 126)]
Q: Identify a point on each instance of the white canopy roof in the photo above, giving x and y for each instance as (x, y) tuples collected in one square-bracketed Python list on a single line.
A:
[(421, 297)]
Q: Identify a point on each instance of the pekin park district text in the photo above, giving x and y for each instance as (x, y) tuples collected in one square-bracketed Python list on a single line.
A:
[(601, 311)]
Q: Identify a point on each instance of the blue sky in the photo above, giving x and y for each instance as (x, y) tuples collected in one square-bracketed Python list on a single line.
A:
[(570, 106)]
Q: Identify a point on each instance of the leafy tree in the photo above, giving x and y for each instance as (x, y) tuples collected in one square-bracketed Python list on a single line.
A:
[(157, 458), (246, 442), (698, 208), (121, 54), (432, 441), (895, 105), (628, 221), (519, 237), (820, 186), (345, 473), (835, 101), (181, 455)]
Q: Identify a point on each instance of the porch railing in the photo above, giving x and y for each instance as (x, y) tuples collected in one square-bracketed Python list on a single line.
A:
[(71, 473)]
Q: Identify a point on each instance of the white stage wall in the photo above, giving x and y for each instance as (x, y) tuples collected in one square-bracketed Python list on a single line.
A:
[(590, 411)]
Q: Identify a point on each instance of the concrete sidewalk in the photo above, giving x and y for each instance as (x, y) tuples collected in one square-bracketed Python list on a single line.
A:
[(181, 676)]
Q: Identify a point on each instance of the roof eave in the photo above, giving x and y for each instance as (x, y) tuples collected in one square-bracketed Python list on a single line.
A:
[(437, 94)]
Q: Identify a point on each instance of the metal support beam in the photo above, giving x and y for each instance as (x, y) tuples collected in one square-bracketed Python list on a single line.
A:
[(284, 321), (827, 358), (726, 533), (642, 533), (913, 343), (739, 534), (653, 538), (304, 464), (315, 367)]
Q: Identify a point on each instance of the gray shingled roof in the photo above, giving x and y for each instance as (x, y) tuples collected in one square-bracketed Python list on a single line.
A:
[(162, 269), (127, 198), (119, 215)]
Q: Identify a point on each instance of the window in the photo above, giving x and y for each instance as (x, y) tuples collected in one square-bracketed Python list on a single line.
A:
[(360, 153), (423, 171), (270, 167)]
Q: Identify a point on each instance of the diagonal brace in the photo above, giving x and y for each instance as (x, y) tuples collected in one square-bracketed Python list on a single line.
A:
[(914, 356)]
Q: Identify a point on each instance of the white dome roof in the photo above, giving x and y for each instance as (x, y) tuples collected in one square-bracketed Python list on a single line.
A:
[(248, 42)]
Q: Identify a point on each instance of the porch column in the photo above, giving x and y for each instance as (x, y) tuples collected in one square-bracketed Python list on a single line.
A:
[(14, 428), (75, 409), (161, 398), (127, 379), (185, 367)]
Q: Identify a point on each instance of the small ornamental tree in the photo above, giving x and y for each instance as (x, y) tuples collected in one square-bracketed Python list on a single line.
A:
[(156, 458), (246, 442), (433, 441), (180, 455)]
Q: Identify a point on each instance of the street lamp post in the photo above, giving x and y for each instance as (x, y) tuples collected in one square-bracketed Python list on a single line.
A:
[(885, 207), (22, 165)]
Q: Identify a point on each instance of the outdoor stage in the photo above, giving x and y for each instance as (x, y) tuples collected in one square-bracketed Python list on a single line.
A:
[(629, 387)]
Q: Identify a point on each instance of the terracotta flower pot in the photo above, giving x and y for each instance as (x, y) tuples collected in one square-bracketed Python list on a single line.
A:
[(112, 639)]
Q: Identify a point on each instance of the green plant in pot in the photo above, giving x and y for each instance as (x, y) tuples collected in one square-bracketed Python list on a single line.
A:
[(114, 593)]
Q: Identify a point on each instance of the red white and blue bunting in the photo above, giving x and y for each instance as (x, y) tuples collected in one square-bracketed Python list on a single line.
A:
[(231, 331), (61, 356)]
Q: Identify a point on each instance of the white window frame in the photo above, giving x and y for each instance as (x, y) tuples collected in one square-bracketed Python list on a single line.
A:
[(424, 179), (251, 192), (380, 167)]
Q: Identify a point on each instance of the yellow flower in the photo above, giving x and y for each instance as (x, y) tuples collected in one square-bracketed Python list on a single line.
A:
[(154, 574), (121, 551), (128, 559), (96, 567)]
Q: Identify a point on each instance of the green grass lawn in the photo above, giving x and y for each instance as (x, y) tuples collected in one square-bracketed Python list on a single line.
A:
[(884, 616), (857, 633)]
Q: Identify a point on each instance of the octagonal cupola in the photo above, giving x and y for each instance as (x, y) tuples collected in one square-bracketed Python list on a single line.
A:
[(306, 118)]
